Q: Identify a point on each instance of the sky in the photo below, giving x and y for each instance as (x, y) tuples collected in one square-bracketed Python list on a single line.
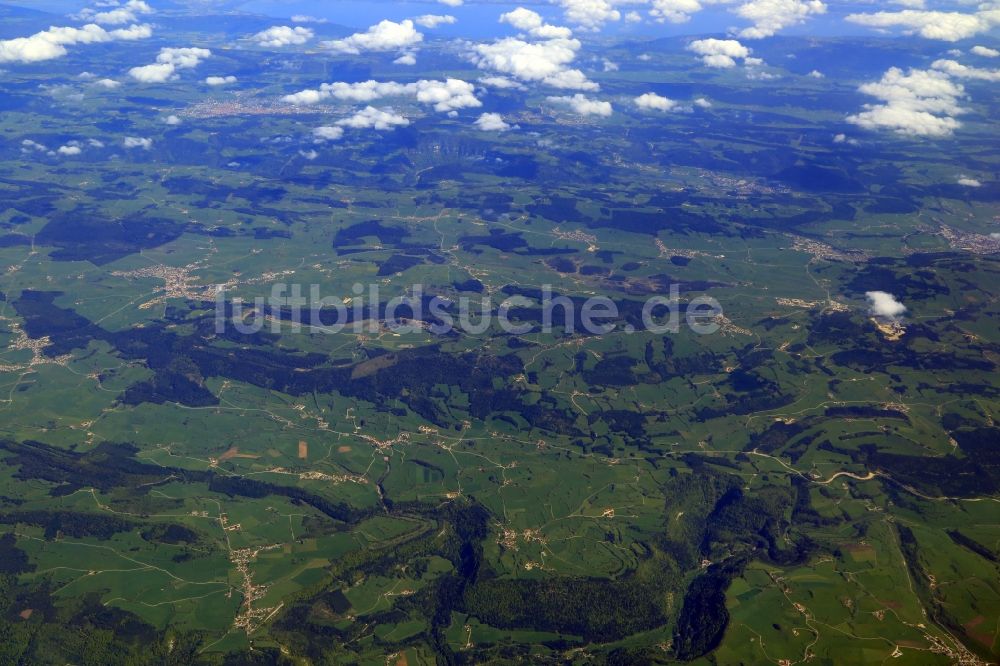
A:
[(542, 46), (478, 18)]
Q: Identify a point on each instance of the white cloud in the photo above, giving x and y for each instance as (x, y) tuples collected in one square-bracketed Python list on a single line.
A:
[(29, 145), (305, 18), (985, 52), (531, 22), (492, 122), (771, 16), (445, 96), (115, 15), (169, 60), (372, 118), (137, 142), (328, 133), (960, 71), (434, 20), (884, 305), (309, 154), (633, 17), (583, 105), (816, 74), (945, 26), (544, 61), (721, 53), (69, 150), (767, 16), (674, 11), (610, 65), (52, 43), (132, 33), (384, 36), (109, 84), (95, 143), (654, 102), (220, 80), (156, 73), (703, 103), (183, 57), (405, 59), (501, 82), (843, 138), (589, 14), (172, 120), (969, 182), (283, 35), (914, 103), (452, 3)]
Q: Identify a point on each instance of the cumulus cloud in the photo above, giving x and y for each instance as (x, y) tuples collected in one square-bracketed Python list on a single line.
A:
[(721, 53), (844, 139), (137, 142), (30, 145), (960, 71), (501, 82), (305, 18), (884, 305), (654, 102), (985, 52), (703, 103), (372, 118), (328, 133), (172, 120), (52, 43), (155, 73), (770, 16), (220, 80), (546, 61), (406, 59), (767, 16), (491, 122), (589, 14), (452, 3), (583, 105), (109, 84), (674, 11), (445, 96), (531, 22), (384, 36), (913, 103), (969, 182), (941, 25), (183, 57), (283, 35), (434, 20), (114, 14), (169, 60), (69, 150)]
